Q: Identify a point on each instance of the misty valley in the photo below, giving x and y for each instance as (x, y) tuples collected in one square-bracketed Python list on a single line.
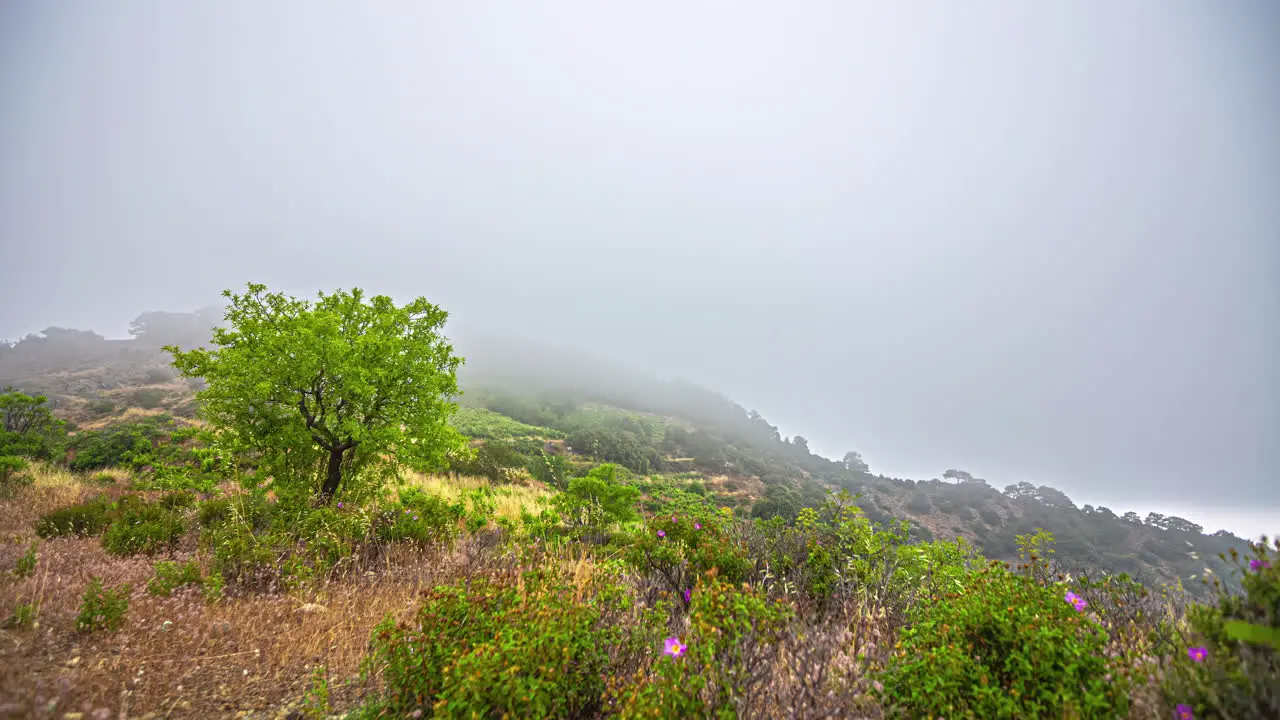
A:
[(290, 507)]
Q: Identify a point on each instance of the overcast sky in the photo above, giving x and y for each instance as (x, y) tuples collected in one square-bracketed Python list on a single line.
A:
[(1037, 241)]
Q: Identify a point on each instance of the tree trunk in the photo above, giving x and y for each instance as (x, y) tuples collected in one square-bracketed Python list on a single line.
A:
[(333, 477)]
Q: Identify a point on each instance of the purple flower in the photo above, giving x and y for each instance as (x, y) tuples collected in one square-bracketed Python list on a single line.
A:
[(662, 533), (415, 517), (339, 505), (697, 526), (1184, 712), (673, 518), (673, 647), (1076, 601), (688, 595), (1256, 565), (1198, 653), (406, 511)]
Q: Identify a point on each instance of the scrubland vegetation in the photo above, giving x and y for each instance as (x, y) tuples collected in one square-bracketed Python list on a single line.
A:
[(333, 536)]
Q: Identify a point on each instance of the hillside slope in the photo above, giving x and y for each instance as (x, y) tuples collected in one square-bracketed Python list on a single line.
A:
[(529, 404)]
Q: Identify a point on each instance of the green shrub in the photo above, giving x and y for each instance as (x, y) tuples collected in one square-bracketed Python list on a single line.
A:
[(540, 654), (86, 519), (24, 616), (1229, 666), (708, 673), (213, 587), (142, 529), (240, 551), (214, 512), (102, 609), (253, 510), (149, 398), (179, 500), (554, 470), (171, 576), (1005, 646), (420, 517), (101, 406), (11, 475), (315, 704), (26, 566), (123, 444), (593, 504)]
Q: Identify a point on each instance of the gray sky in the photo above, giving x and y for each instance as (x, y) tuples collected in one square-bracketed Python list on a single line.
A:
[(1037, 241)]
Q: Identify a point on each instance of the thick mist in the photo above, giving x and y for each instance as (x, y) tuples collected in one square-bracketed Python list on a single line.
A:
[(1038, 243)]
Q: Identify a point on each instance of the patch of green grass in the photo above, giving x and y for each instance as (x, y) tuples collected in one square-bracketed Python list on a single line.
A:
[(489, 425)]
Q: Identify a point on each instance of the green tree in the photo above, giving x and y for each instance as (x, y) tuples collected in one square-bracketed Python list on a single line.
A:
[(321, 392), (853, 462), (27, 429), (596, 502)]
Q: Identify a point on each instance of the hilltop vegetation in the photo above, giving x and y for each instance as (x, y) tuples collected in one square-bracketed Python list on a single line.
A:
[(575, 410), (594, 543)]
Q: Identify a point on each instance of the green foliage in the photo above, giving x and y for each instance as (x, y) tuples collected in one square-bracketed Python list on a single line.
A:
[(495, 460), (148, 398), (488, 425), (779, 501), (27, 428), (120, 444), (86, 519), (179, 500), (213, 512), (101, 406), (422, 518), (170, 575), (331, 394), (142, 528), (11, 478), (554, 470), (26, 566), (685, 541), (494, 649), (23, 617), (1005, 646), (214, 586), (315, 704), (1235, 642), (102, 608), (734, 633), (595, 503)]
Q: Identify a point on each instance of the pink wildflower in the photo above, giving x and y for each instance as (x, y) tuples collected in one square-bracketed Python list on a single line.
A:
[(673, 647)]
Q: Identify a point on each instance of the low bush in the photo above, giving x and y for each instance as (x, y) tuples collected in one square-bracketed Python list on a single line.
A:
[(142, 529), (86, 519), (170, 576), (542, 650), (23, 617), (213, 512), (1228, 666), (419, 517), (720, 668), (102, 608), (26, 566), (1005, 646), (179, 500)]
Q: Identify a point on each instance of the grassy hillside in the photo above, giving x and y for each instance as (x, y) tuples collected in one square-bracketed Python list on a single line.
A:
[(608, 546), (545, 414)]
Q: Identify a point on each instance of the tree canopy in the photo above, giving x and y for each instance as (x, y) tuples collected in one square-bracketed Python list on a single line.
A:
[(27, 429), (322, 393)]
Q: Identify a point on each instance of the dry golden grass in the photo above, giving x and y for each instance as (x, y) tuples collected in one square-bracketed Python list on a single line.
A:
[(510, 499), (181, 656)]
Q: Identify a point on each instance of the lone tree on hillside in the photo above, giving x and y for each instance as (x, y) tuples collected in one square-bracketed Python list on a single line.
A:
[(322, 393)]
